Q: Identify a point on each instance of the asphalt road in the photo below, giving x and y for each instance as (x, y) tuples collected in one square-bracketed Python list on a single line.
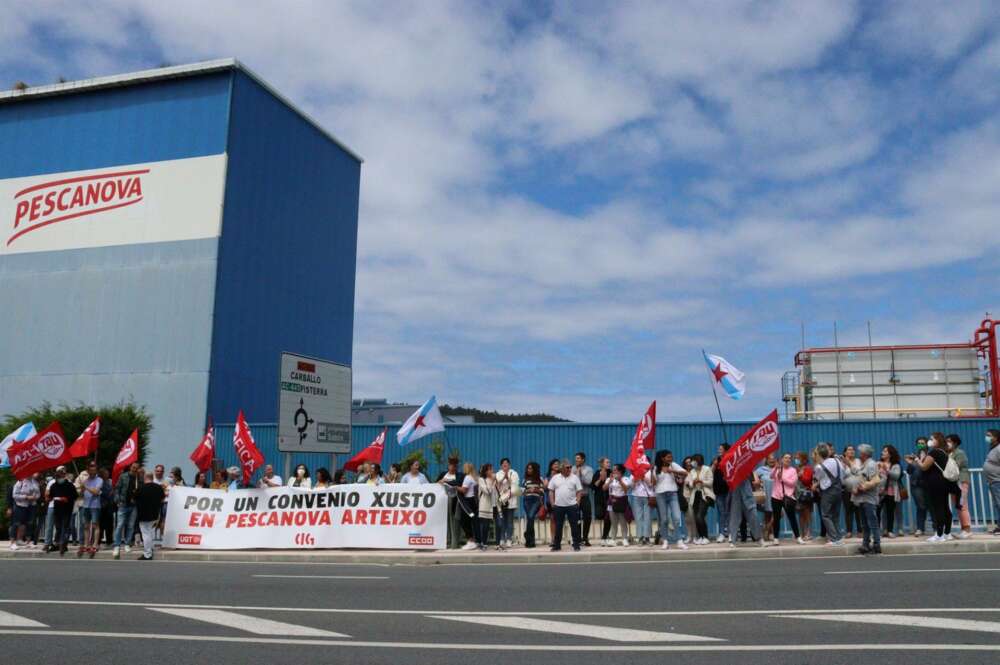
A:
[(893, 609)]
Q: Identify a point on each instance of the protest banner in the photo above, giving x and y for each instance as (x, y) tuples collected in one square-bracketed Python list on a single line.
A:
[(356, 516)]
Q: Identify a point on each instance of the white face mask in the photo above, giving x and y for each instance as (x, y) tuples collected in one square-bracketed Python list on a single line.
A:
[(694, 465)]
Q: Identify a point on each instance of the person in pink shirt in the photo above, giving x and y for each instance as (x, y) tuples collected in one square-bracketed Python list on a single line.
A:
[(786, 477)]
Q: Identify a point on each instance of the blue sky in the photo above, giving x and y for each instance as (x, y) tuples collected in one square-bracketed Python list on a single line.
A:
[(563, 203)]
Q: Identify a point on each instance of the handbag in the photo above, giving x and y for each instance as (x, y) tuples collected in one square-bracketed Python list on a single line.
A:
[(682, 502)]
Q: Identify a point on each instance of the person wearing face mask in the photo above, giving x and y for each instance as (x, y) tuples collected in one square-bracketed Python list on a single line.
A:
[(917, 490), (300, 478), (700, 495), (964, 480), (786, 478), (938, 488), (865, 496), (991, 472)]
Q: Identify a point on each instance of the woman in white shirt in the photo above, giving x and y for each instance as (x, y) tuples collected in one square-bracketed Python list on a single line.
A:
[(617, 487), (698, 491), (641, 494), (508, 489), (300, 478), (666, 473), (468, 505)]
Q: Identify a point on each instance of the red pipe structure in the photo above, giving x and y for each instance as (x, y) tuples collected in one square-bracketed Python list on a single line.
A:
[(985, 339)]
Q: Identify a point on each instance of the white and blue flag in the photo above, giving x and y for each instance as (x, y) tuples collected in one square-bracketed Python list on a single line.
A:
[(731, 379), (22, 433), (426, 420)]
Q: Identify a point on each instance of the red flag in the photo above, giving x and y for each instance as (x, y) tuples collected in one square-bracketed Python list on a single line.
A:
[(43, 451), (205, 452), (246, 448), (86, 444), (373, 453), (129, 453), (759, 441), (644, 439)]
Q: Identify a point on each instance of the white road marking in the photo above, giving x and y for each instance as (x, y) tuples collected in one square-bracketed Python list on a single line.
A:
[(566, 628), (914, 570), (763, 648), (937, 623), (327, 577), (14, 621), (635, 613), (248, 623)]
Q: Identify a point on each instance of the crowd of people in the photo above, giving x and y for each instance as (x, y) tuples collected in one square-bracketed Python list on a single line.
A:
[(857, 491)]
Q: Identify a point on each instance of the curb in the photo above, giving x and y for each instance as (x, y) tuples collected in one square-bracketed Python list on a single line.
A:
[(633, 554)]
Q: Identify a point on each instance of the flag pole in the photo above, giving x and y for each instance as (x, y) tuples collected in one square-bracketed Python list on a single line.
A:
[(722, 422)]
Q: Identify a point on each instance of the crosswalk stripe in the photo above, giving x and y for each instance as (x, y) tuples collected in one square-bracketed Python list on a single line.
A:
[(248, 623), (583, 630), (903, 620), (8, 620)]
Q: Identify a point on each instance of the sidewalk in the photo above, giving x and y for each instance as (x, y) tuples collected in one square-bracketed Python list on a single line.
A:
[(981, 543)]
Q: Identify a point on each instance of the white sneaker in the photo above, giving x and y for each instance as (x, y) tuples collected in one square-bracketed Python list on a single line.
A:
[(732, 545), (964, 534), (891, 535), (800, 540), (763, 543), (665, 546), (127, 549), (13, 546), (115, 553), (918, 533), (948, 536), (681, 545), (935, 539), (623, 543), (720, 539), (468, 546)]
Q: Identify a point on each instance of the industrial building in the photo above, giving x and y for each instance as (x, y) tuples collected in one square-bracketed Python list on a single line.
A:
[(168, 234), (950, 380)]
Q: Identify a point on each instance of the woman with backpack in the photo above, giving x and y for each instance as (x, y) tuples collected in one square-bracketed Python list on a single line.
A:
[(938, 487)]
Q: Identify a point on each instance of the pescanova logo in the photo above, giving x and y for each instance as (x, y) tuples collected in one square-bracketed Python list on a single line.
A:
[(55, 201)]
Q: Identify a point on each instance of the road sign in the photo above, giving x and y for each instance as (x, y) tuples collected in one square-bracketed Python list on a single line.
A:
[(314, 406)]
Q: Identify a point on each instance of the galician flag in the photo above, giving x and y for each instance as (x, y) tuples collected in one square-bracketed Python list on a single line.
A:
[(426, 420), (22, 433), (727, 376)]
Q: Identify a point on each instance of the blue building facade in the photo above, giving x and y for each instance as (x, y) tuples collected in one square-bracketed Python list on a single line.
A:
[(167, 234)]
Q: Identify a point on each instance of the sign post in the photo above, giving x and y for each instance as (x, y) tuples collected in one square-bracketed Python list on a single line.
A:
[(314, 407)]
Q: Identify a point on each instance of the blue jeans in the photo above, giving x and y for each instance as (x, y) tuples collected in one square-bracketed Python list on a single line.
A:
[(126, 522), (669, 514), (640, 510), (995, 493), (507, 519), (722, 506), (50, 524), (532, 504), (872, 534)]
